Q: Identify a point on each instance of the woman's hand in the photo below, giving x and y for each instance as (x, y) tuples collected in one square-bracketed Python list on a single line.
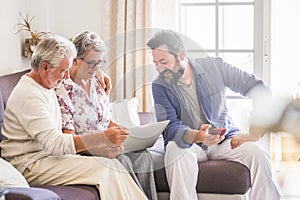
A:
[(101, 143), (112, 124), (116, 135)]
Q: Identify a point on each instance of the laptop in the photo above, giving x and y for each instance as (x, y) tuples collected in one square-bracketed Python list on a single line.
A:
[(144, 136)]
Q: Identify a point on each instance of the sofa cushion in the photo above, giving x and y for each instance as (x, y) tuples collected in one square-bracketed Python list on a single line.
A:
[(223, 176), (125, 112), (16, 193), (215, 176), (10, 177), (7, 83), (74, 192)]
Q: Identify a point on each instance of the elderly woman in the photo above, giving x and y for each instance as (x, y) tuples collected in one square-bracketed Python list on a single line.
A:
[(85, 109)]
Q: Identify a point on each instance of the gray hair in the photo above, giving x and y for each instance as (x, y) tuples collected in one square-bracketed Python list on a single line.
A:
[(88, 40), (52, 49)]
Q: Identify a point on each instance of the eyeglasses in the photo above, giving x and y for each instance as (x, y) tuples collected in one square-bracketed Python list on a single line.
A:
[(92, 64)]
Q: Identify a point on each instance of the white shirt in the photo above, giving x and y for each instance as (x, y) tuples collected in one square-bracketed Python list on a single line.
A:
[(32, 125)]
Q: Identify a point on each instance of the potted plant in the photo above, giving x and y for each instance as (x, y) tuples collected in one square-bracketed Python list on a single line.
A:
[(30, 43)]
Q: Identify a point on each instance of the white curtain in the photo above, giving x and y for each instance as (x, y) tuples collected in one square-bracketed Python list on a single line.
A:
[(126, 32)]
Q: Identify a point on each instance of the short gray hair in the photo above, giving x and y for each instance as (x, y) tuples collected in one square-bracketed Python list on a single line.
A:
[(88, 40), (52, 49)]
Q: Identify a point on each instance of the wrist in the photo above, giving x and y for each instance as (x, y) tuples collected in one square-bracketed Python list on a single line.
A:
[(193, 136), (189, 136), (202, 136)]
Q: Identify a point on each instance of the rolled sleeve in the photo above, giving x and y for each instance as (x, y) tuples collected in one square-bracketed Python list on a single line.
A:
[(178, 138), (70, 145)]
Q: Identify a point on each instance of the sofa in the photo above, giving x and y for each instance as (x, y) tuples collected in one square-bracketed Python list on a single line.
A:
[(217, 179)]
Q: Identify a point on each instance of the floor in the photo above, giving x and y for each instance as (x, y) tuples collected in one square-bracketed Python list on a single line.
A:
[(287, 178)]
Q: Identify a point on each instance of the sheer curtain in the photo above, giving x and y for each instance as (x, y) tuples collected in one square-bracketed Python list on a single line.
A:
[(285, 76), (125, 28)]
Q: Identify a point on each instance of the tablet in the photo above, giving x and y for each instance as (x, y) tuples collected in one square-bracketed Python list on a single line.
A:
[(144, 136)]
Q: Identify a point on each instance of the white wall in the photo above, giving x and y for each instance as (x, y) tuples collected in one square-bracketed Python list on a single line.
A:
[(285, 42), (10, 48), (62, 17)]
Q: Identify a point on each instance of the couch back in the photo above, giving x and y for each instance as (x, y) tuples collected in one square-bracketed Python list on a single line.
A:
[(7, 83)]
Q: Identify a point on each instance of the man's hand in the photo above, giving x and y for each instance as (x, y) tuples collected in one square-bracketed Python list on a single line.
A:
[(210, 140), (243, 137), (201, 135), (104, 81), (207, 139)]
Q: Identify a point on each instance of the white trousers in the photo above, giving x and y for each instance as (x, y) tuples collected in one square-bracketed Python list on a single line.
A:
[(108, 175), (182, 168)]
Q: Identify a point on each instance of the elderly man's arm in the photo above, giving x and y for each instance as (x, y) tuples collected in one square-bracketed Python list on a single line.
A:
[(104, 81)]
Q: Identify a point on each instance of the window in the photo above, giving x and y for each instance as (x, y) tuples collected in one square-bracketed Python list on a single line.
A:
[(231, 29)]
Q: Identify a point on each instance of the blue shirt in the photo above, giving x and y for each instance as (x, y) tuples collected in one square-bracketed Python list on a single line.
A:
[(212, 77)]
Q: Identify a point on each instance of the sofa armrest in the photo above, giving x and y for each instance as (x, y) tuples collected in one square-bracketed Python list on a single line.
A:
[(18, 193), (224, 177)]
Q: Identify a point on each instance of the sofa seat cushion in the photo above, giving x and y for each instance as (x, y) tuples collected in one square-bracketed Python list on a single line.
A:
[(17, 193), (215, 176), (74, 192)]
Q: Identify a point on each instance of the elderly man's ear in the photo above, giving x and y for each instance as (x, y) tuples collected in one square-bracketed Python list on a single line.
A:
[(44, 66), (181, 55)]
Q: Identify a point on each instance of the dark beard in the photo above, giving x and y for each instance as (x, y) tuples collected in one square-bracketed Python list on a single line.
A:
[(175, 75)]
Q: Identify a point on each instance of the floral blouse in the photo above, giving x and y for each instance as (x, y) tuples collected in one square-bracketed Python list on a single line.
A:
[(80, 112)]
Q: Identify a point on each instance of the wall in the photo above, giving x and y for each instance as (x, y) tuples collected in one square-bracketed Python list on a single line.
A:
[(10, 48), (62, 17)]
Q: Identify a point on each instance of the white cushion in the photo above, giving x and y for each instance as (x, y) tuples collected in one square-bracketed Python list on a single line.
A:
[(125, 112), (10, 177)]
